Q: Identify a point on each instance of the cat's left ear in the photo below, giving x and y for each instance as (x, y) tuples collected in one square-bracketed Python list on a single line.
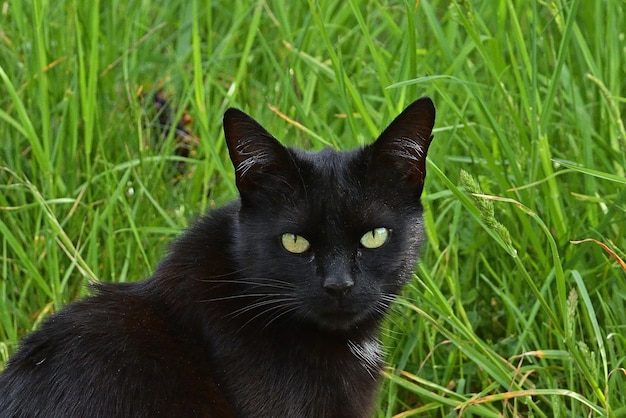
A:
[(402, 147), (260, 161)]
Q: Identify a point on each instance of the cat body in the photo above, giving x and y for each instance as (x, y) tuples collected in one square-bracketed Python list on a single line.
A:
[(267, 307)]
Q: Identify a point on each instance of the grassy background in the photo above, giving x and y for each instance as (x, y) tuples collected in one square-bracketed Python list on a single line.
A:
[(507, 315)]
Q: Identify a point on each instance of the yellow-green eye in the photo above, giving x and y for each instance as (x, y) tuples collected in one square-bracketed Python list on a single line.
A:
[(294, 243), (375, 238)]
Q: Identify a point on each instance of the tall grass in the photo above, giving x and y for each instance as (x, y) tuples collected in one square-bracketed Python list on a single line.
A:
[(518, 307)]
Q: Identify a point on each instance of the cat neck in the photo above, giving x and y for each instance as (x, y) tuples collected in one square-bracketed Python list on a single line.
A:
[(305, 375)]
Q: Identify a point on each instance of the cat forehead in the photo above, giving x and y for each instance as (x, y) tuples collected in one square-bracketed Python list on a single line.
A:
[(327, 156), (335, 187), (328, 164)]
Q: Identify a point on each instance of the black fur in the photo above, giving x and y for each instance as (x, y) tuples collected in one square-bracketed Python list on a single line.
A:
[(233, 325)]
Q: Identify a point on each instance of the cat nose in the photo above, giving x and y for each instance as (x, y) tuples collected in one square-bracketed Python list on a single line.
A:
[(338, 286)]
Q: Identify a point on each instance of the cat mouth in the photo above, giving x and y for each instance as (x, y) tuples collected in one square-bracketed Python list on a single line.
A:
[(339, 318)]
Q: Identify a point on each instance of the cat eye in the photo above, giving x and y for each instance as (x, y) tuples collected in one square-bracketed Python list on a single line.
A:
[(375, 238), (295, 244)]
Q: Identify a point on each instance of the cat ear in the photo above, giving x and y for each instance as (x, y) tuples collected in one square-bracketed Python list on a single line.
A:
[(403, 145), (259, 159)]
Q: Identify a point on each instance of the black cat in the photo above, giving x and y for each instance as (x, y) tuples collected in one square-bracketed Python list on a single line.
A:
[(267, 307)]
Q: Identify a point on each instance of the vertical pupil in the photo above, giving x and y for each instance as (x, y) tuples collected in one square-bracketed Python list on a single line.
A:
[(375, 238)]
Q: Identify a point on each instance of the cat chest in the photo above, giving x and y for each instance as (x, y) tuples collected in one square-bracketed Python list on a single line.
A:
[(309, 383)]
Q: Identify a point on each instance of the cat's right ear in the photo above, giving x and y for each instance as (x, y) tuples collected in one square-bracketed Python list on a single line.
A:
[(260, 161)]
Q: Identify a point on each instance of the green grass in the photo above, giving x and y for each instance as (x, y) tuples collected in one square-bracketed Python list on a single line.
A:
[(509, 315)]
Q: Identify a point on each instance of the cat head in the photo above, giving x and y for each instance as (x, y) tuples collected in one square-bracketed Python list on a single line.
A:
[(329, 238)]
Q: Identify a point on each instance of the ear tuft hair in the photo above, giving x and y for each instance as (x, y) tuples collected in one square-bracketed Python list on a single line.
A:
[(402, 147), (259, 159)]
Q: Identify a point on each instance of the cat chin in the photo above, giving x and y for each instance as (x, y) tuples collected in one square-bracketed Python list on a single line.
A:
[(341, 320)]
